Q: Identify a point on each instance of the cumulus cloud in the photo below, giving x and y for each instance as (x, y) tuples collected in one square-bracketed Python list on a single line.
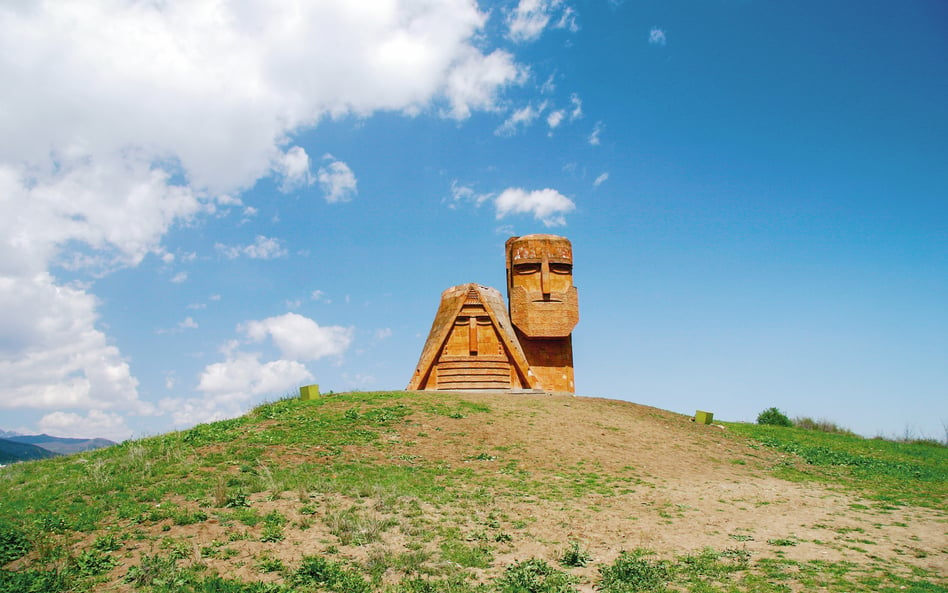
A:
[(229, 387), (477, 80), (656, 36), (299, 337), (555, 118), (337, 181), (293, 165), (546, 205), (121, 119), (528, 20), (51, 354), (261, 248), (243, 378)]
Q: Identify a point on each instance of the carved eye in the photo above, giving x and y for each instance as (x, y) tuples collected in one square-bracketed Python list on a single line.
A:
[(561, 268), (461, 321), (524, 269)]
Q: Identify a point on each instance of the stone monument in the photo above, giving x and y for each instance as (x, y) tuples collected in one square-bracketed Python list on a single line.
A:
[(478, 342), (544, 306)]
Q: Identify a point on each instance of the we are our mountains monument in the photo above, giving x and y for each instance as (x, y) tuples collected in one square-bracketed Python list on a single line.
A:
[(479, 342)]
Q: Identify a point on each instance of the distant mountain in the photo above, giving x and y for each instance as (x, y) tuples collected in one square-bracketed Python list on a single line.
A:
[(5, 434), (61, 445), (12, 451)]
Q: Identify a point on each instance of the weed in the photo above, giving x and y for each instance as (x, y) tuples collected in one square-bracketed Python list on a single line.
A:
[(154, 570), (319, 571), (632, 572), (107, 543), (354, 528), (535, 576), (92, 563), (269, 564), (575, 555), (478, 556)]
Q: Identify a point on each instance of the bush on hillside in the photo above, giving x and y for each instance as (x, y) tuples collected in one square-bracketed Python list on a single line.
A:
[(821, 426), (773, 417)]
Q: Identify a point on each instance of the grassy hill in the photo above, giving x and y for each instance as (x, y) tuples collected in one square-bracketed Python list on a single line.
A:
[(422, 492)]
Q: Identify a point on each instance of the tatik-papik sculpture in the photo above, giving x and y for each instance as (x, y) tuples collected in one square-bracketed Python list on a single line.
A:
[(478, 342)]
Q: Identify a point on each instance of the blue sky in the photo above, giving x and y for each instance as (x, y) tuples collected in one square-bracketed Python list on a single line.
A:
[(209, 204)]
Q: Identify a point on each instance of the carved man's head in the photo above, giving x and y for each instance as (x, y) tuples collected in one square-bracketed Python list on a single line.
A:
[(543, 300)]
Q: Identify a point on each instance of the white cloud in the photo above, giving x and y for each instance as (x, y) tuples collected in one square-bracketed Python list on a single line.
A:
[(528, 20), (261, 248), (299, 337), (577, 104), (179, 277), (122, 118), (555, 118), (601, 179), (337, 181), (188, 323), (520, 118), (656, 36), (463, 193), (51, 354), (95, 424), (294, 166), (594, 136), (477, 80), (229, 387), (381, 334), (546, 205)]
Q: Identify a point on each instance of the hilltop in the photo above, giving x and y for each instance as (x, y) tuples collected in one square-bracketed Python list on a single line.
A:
[(474, 491)]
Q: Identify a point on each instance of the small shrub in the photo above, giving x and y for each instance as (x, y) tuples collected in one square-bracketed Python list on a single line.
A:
[(93, 563), (107, 543), (316, 570), (575, 555), (268, 564), (272, 533), (821, 426), (535, 576), (631, 573), (152, 570), (773, 417)]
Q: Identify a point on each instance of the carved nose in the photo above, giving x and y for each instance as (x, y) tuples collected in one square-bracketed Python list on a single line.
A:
[(545, 276)]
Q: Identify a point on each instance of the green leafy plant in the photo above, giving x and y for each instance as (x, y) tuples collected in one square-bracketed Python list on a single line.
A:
[(535, 576), (93, 563), (632, 573), (773, 417), (575, 555), (316, 570)]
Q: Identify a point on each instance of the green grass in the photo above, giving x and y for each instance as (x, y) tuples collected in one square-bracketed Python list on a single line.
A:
[(892, 473), (338, 466)]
